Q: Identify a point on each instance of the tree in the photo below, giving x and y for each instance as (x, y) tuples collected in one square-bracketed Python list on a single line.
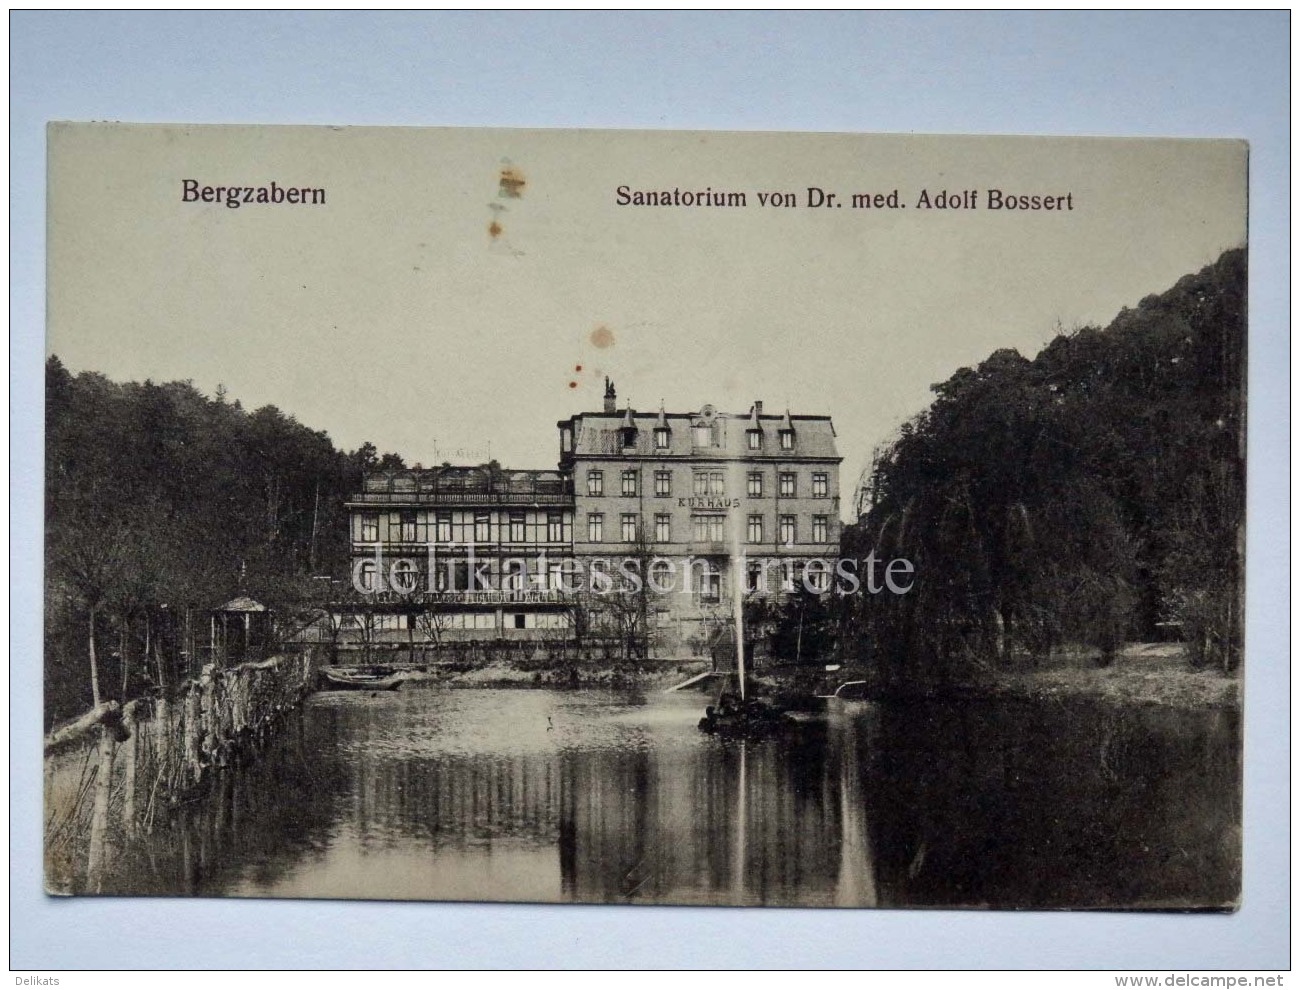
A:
[(627, 606), (803, 627), (162, 503), (1083, 496)]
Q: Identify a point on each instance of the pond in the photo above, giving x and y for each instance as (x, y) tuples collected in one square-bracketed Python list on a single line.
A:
[(614, 797)]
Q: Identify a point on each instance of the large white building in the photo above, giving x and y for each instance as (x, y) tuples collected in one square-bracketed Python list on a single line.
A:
[(693, 491)]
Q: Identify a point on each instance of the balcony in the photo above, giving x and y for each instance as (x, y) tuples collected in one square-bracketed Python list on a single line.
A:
[(487, 484), (530, 596), (559, 495)]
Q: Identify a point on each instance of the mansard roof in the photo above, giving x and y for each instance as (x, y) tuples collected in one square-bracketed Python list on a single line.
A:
[(601, 434)]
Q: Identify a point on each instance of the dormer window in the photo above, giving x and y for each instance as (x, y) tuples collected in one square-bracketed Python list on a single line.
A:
[(661, 438), (566, 440), (703, 435), (787, 439), (755, 438), (627, 432)]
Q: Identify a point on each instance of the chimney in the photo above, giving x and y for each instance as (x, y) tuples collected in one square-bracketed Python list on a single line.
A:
[(758, 407), (611, 400)]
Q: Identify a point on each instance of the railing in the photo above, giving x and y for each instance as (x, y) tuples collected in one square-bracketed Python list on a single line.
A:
[(549, 596), (449, 549), (460, 497)]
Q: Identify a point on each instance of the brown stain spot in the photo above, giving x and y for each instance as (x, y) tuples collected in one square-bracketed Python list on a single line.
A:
[(577, 367), (511, 185), (573, 384), (602, 337), (494, 230)]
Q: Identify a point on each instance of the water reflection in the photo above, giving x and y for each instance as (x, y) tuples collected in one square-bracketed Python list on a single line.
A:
[(588, 796)]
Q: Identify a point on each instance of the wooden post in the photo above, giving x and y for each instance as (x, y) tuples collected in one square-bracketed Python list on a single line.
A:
[(189, 642), (132, 753), (162, 734), (94, 661), (97, 858), (124, 642)]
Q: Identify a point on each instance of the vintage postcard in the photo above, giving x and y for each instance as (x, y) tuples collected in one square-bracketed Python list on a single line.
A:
[(645, 517)]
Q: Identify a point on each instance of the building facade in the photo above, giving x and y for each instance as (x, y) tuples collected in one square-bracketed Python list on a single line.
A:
[(701, 505), (461, 552), (700, 496)]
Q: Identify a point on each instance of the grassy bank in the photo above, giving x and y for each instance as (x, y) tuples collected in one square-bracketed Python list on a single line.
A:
[(655, 675), (1141, 674)]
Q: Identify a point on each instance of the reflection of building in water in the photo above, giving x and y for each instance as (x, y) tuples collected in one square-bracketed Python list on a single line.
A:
[(486, 553), (455, 798), (627, 824), (856, 883), (645, 829)]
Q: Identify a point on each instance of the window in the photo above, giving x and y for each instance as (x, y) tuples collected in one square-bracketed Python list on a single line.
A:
[(703, 435), (789, 575), (787, 439), (755, 438), (787, 529), (629, 436), (406, 526), (629, 482), (555, 577), (663, 483), (816, 575), (516, 576), (595, 527), (754, 576), (366, 582), (629, 527), (442, 523), (709, 483), (820, 486), (787, 482), (709, 528), (482, 527), (370, 527), (555, 527), (566, 440), (755, 531), (755, 484), (663, 527), (661, 437), (595, 483), (661, 574), (710, 584), (517, 523), (819, 529)]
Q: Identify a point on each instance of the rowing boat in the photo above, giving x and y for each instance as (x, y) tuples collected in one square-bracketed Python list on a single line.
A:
[(361, 678)]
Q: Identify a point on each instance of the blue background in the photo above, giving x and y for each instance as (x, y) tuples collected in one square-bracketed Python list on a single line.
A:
[(1198, 74)]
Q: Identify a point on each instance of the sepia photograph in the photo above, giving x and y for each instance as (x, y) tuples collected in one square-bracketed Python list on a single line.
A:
[(645, 517)]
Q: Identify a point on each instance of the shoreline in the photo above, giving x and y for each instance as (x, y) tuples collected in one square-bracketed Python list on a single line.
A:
[(1143, 675)]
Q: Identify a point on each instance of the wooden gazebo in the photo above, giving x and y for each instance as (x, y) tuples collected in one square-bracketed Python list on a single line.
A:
[(250, 622)]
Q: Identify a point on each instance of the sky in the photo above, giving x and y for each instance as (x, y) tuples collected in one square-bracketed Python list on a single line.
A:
[(459, 291)]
